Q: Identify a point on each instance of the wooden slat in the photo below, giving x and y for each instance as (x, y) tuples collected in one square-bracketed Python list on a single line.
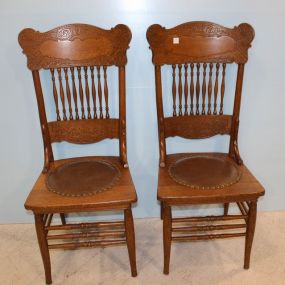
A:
[(99, 92), (210, 89), (87, 92), (174, 89), (68, 93), (103, 234), (197, 88), (45, 218), (119, 224), (74, 93), (207, 218), (216, 88), (207, 228), (93, 88), (74, 245), (83, 131), (180, 89), (106, 92), (204, 88), (205, 237), (222, 89), (61, 92), (185, 89), (48, 220), (81, 93), (197, 127), (243, 208), (192, 89)]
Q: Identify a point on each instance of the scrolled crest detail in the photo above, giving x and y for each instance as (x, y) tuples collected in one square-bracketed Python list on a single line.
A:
[(203, 41), (79, 45)]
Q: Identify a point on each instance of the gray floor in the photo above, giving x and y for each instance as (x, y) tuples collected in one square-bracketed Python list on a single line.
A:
[(214, 262)]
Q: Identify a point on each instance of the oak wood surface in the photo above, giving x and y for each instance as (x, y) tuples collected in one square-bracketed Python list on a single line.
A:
[(75, 45), (200, 52), (83, 131), (77, 57)]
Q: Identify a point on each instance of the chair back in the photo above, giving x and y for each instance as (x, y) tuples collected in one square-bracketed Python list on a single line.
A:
[(198, 54), (78, 57)]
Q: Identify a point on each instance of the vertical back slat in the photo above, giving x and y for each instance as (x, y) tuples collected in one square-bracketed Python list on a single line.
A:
[(99, 92), (180, 89), (68, 94), (216, 88), (81, 93), (210, 89), (93, 92), (223, 89), (197, 88), (106, 92), (174, 89), (204, 89), (185, 89), (192, 89), (87, 93), (61, 92), (74, 93), (55, 96)]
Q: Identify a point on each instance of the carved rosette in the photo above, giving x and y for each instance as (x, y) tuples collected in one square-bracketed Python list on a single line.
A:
[(158, 38), (118, 38)]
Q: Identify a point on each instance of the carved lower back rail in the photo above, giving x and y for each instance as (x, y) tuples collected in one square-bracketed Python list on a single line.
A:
[(92, 234), (210, 227)]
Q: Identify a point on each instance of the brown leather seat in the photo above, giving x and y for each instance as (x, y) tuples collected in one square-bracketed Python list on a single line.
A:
[(121, 194), (169, 190)]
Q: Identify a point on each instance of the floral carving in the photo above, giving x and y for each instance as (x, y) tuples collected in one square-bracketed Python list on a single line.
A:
[(83, 131), (197, 127), (165, 53), (32, 43)]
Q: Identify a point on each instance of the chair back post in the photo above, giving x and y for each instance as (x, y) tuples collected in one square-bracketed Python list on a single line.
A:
[(122, 116), (233, 148), (160, 116), (48, 154)]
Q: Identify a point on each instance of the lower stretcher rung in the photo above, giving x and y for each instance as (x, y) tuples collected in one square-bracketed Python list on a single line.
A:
[(74, 245), (205, 237)]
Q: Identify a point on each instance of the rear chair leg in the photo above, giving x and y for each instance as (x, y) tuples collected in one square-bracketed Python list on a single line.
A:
[(166, 237), (130, 236), (226, 208), (62, 217), (249, 233), (41, 234), (161, 210)]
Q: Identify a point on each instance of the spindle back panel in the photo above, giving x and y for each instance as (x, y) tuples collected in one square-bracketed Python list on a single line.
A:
[(194, 100), (81, 101)]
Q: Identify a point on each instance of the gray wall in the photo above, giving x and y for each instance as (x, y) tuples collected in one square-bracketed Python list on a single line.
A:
[(262, 121)]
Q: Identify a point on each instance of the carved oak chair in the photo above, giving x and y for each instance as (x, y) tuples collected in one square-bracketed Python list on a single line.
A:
[(197, 53), (78, 58)]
